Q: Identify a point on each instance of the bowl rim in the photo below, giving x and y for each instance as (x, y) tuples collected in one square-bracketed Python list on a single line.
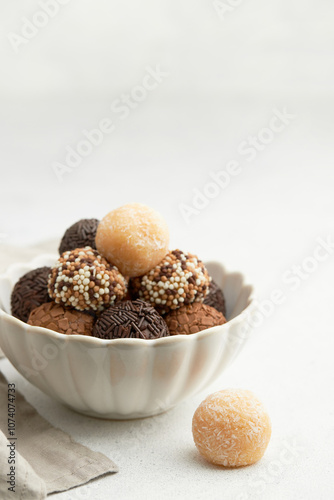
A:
[(126, 342)]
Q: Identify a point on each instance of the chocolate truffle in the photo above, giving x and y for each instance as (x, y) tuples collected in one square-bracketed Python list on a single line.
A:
[(134, 238), (60, 319), (179, 279), (193, 318), (231, 428), (29, 292), (79, 235), (130, 319), (215, 298), (83, 279)]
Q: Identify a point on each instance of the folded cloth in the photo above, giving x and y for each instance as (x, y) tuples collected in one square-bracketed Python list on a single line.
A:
[(17, 478), (59, 462)]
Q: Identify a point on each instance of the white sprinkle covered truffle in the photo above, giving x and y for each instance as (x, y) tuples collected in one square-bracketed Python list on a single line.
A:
[(179, 279), (85, 280)]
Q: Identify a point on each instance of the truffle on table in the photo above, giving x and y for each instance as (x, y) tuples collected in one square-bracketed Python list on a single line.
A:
[(193, 318), (215, 298), (79, 235), (130, 319), (231, 428), (84, 280), (179, 279), (60, 319), (29, 292)]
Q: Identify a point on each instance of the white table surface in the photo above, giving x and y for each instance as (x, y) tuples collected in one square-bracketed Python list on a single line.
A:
[(226, 80)]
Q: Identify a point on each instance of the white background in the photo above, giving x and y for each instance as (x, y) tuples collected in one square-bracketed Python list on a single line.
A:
[(227, 74)]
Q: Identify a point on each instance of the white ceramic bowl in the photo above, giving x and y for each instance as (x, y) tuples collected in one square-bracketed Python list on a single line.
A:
[(124, 378)]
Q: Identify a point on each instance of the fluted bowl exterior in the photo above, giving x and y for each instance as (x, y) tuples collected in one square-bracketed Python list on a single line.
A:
[(124, 378)]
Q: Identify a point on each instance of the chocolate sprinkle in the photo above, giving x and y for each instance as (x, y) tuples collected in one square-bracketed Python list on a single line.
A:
[(30, 292), (215, 298), (79, 235), (130, 319)]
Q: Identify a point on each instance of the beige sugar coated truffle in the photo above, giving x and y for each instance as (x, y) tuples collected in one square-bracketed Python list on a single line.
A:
[(134, 238), (231, 428)]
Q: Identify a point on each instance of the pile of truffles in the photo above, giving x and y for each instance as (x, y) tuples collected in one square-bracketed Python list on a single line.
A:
[(117, 278)]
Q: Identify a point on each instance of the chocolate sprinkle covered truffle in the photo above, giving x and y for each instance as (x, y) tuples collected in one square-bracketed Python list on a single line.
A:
[(179, 279), (60, 319), (79, 235), (84, 280), (193, 318), (130, 319), (215, 298), (29, 292)]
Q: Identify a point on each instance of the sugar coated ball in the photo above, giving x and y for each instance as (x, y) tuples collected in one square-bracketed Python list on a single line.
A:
[(61, 319), (178, 280), (193, 318), (30, 292), (231, 428), (79, 235), (84, 280), (134, 238)]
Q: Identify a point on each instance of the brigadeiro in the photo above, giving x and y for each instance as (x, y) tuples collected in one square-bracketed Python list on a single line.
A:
[(60, 319), (79, 235), (179, 279), (215, 298), (29, 292), (193, 318), (84, 280), (133, 237), (130, 319)]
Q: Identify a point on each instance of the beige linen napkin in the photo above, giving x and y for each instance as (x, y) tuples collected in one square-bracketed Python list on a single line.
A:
[(21, 481), (47, 459)]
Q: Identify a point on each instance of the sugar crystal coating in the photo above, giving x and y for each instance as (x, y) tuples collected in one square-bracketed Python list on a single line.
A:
[(79, 235), (179, 279), (130, 319), (231, 428), (133, 237), (193, 318), (84, 280), (29, 292), (61, 319)]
